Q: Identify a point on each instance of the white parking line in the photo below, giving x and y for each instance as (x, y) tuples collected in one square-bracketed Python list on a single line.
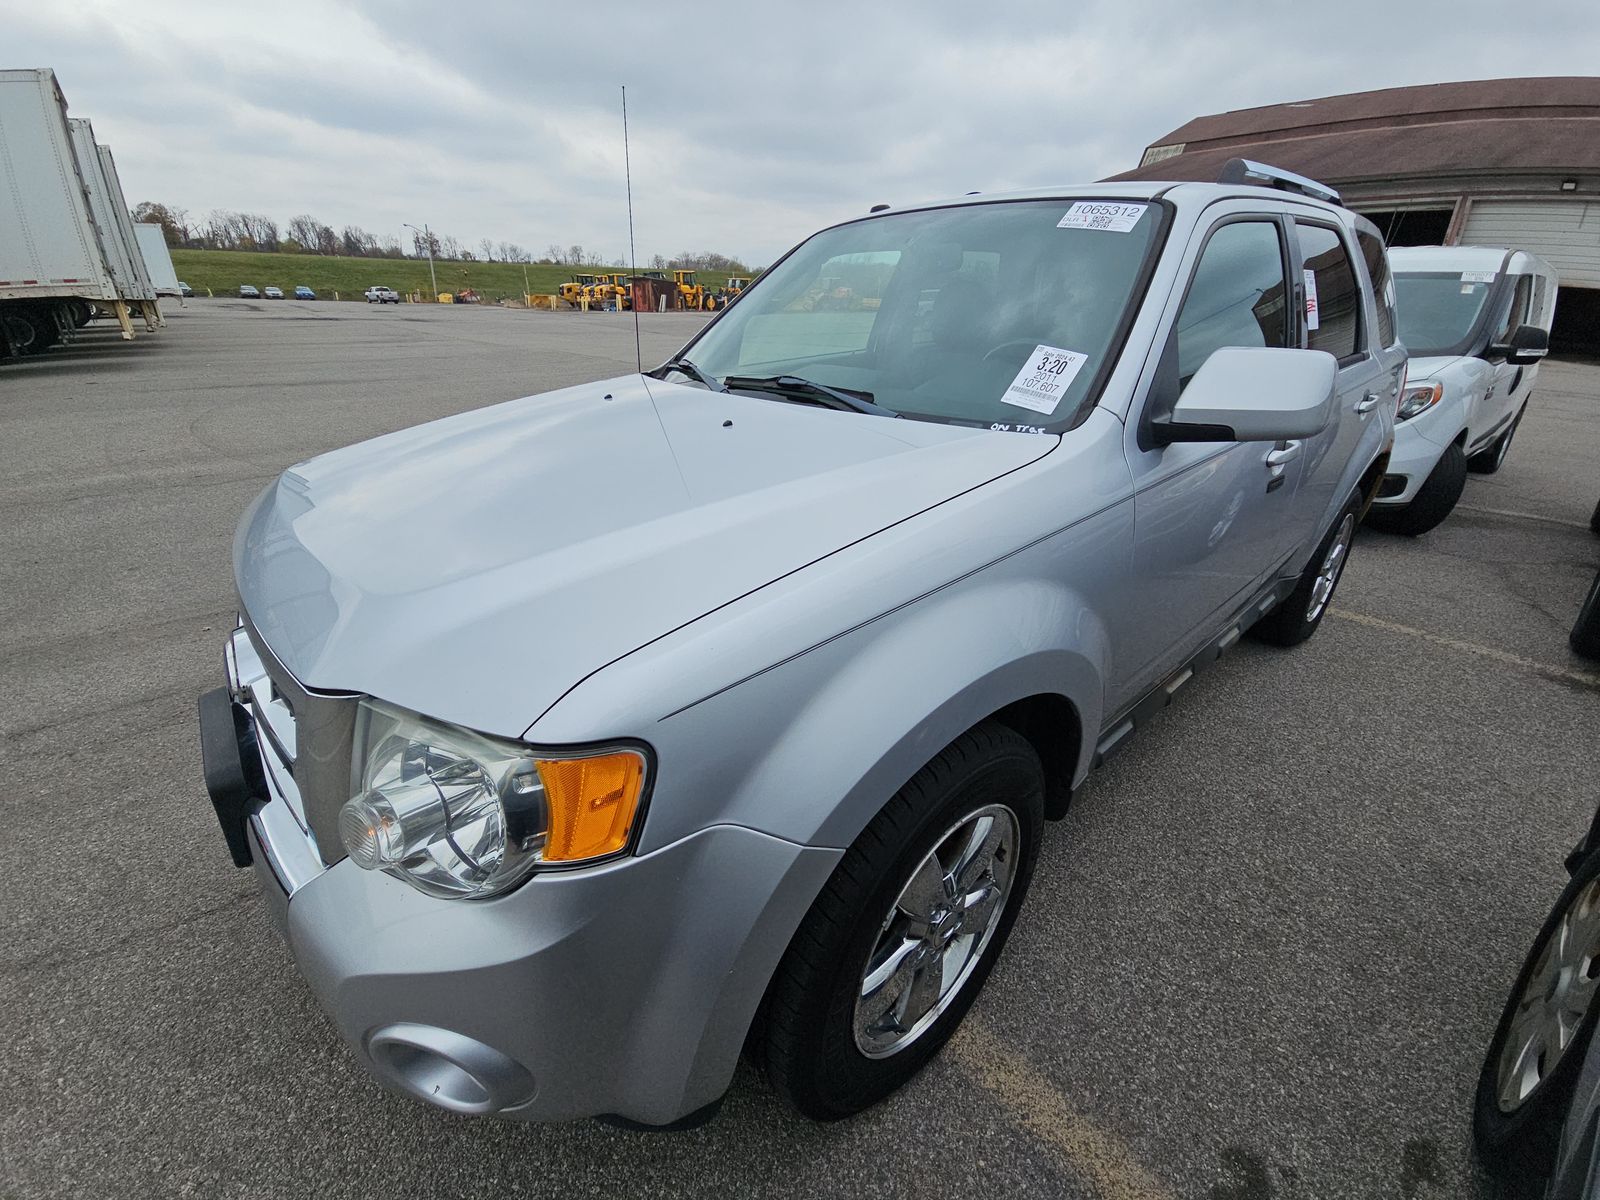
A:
[(1098, 1156), (1524, 516), (1548, 670)]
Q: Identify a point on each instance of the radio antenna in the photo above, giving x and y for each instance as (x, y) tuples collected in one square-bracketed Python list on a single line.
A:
[(633, 255)]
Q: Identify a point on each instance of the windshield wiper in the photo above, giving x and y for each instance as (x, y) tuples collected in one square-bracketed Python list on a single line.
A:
[(819, 393), (684, 367)]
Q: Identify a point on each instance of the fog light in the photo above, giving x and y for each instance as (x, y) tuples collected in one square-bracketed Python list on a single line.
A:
[(449, 1069)]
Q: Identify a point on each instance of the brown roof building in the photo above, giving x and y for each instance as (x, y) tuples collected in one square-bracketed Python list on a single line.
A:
[(1496, 162)]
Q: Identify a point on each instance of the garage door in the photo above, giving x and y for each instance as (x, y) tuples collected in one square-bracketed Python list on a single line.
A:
[(1564, 232)]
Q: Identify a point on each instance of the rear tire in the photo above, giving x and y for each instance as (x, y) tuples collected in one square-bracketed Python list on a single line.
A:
[(1490, 459), (1585, 636), (1528, 1077), (1434, 499), (860, 1001), (1299, 613)]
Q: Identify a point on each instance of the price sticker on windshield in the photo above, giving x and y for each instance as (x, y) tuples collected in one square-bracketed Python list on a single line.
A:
[(1044, 379), (1097, 214)]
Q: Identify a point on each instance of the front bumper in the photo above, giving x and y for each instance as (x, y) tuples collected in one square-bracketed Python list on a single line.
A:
[(625, 989), (1412, 460)]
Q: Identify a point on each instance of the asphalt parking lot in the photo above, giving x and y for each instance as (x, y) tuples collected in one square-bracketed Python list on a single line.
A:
[(1261, 957)]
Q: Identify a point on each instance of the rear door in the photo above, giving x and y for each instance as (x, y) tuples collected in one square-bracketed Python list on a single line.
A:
[(1333, 318)]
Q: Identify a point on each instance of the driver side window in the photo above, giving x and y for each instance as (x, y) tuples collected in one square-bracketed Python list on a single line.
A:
[(1237, 296)]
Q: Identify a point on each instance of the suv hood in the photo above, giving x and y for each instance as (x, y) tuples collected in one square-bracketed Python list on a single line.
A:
[(478, 567)]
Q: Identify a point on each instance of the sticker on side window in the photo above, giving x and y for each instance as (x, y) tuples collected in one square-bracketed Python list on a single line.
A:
[(1477, 277), (1097, 214), (1044, 379), (1312, 318)]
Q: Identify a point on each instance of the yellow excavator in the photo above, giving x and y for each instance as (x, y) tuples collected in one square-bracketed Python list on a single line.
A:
[(573, 290)]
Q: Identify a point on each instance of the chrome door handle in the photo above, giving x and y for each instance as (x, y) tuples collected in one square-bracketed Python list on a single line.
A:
[(1367, 403), (1285, 453)]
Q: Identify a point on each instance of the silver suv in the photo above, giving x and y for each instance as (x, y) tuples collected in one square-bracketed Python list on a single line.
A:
[(579, 740)]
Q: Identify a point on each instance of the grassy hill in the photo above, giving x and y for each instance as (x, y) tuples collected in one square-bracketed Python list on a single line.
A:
[(222, 271)]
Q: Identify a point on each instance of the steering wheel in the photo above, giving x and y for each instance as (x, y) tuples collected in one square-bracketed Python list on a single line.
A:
[(1028, 342)]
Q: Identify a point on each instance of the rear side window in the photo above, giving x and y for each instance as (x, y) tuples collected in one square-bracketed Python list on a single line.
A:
[(1377, 260), (1333, 299), (1237, 296)]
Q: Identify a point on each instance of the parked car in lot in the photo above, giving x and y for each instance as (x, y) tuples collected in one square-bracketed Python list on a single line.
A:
[(184, 289), (273, 293), (614, 772), (1476, 321), (302, 292), (1537, 1109), (378, 294), (248, 291)]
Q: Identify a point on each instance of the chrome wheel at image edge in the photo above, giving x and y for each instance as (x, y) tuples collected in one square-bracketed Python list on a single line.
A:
[(1332, 565), (936, 931), (1553, 1003)]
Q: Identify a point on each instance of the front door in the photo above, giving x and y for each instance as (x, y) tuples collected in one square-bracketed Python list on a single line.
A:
[(1211, 519)]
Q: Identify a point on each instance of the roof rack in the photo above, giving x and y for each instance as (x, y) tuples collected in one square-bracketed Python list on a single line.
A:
[(1244, 170)]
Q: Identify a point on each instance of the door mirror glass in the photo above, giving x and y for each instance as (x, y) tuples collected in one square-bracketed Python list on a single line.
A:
[(1528, 344), (1254, 395)]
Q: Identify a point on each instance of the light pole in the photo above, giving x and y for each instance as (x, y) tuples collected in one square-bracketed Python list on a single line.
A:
[(427, 242)]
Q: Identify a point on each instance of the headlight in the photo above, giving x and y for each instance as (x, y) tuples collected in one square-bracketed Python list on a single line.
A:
[(1419, 399), (456, 813)]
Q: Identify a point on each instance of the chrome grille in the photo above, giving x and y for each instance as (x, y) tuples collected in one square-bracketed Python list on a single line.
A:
[(305, 738)]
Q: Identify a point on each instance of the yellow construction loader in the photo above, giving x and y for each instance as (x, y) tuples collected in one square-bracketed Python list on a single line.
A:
[(575, 289)]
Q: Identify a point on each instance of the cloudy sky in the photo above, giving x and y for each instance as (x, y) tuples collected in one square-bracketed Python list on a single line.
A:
[(751, 125)]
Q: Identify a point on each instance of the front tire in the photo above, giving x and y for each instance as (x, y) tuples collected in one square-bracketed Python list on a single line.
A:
[(899, 942), (1532, 1065), (1434, 499), (1297, 616)]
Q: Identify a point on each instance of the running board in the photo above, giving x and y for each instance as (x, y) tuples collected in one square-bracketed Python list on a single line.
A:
[(1120, 731)]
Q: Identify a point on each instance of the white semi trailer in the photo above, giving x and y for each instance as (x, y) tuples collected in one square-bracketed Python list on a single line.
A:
[(109, 210), (157, 261), (52, 265)]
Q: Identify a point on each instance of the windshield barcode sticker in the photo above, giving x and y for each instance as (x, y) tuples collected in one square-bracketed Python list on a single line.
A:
[(1096, 214), (1044, 379), (1477, 277)]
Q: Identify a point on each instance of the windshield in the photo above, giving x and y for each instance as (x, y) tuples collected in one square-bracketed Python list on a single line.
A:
[(987, 313), (1438, 309)]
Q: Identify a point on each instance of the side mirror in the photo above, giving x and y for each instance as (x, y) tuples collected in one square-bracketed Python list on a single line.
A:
[(1528, 344), (1253, 394)]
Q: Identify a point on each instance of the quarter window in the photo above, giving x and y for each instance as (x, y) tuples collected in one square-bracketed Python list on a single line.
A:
[(1333, 301), (1236, 297)]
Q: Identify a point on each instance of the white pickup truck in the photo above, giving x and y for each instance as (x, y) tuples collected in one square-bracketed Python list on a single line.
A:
[(378, 294)]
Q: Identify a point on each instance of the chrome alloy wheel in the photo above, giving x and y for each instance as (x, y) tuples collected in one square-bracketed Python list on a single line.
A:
[(1332, 565), (1554, 1001), (936, 932)]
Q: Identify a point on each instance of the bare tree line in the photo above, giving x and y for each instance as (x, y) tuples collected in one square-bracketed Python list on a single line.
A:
[(225, 229)]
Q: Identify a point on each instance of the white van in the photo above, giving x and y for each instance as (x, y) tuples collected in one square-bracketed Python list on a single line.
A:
[(1476, 320)]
